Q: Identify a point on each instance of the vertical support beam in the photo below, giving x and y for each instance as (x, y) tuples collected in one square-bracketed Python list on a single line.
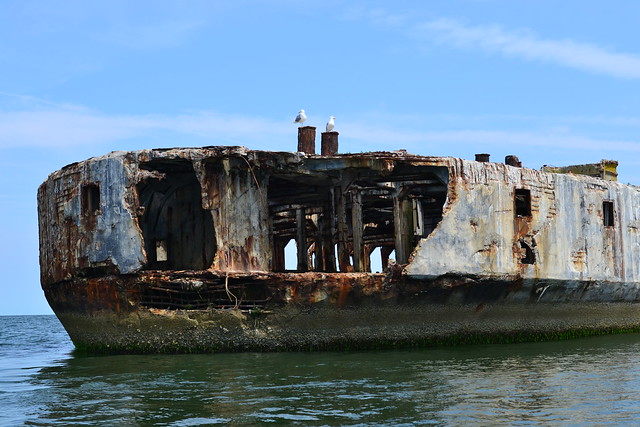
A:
[(301, 222), (328, 244), (402, 220), (344, 262), (418, 217), (357, 231), (307, 139), (310, 252), (318, 246), (367, 258), (385, 252), (278, 254)]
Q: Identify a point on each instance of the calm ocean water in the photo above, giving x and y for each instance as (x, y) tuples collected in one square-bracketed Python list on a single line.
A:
[(594, 381)]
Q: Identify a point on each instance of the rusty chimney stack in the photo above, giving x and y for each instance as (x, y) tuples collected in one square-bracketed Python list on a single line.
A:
[(513, 161), (483, 157), (307, 139), (329, 144)]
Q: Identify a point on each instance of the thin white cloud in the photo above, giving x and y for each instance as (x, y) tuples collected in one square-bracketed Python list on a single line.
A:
[(519, 43), (526, 45), (61, 129), (31, 122), (70, 128)]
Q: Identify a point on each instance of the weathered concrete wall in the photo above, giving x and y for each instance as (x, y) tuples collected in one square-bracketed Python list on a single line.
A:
[(71, 239), (480, 234), (74, 241), (236, 194)]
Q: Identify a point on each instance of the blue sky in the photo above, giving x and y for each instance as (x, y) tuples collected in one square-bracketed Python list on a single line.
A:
[(553, 82)]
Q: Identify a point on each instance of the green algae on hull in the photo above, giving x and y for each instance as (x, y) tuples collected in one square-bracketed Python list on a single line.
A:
[(325, 330)]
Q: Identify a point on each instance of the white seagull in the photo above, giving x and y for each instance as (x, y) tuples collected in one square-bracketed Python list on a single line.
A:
[(330, 124), (300, 118)]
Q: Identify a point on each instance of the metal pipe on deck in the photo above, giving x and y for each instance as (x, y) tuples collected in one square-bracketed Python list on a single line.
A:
[(307, 139), (329, 143)]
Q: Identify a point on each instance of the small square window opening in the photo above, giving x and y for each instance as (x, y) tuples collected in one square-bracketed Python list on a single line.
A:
[(522, 201)]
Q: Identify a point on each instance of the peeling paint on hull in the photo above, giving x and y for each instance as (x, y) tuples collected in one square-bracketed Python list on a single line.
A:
[(182, 250)]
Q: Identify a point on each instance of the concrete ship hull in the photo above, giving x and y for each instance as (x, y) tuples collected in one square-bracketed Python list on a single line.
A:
[(198, 311), (183, 250)]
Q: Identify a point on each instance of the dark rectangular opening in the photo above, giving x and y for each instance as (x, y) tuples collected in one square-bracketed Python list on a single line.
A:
[(528, 256), (91, 199), (341, 219), (178, 232), (607, 213), (522, 202)]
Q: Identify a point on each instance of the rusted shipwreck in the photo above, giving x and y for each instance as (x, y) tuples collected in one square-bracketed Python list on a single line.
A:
[(182, 250)]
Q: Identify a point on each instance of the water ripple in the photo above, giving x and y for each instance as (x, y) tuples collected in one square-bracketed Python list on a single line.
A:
[(581, 382)]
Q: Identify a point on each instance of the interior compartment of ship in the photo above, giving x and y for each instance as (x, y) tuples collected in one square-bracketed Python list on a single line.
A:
[(178, 234), (340, 217), (338, 221)]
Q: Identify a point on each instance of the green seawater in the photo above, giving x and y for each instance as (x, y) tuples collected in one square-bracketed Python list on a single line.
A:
[(588, 381)]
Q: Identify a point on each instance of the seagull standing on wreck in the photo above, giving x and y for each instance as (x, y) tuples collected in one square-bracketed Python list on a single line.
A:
[(330, 124), (300, 118)]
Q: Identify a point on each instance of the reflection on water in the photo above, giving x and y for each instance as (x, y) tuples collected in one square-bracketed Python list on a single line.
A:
[(589, 381)]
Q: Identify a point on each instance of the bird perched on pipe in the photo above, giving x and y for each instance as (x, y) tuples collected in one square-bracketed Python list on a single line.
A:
[(330, 124), (300, 118)]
